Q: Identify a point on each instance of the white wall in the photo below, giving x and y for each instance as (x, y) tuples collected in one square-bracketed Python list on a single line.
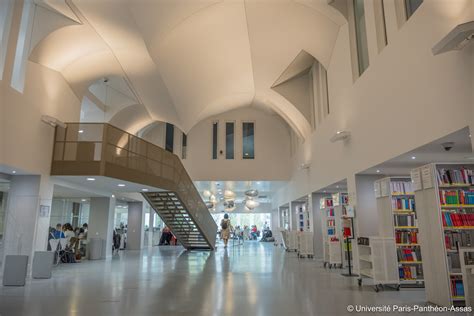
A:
[(22, 134), (272, 148), (406, 98)]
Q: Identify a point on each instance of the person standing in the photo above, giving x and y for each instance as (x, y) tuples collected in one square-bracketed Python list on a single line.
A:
[(225, 229)]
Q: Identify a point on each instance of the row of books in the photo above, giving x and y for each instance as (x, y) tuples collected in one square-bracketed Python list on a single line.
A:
[(331, 222), (363, 241), (456, 197), (457, 219), (401, 187), (457, 288), (409, 254), (330, 212), (463, 238), (410, 272), (325, 202), (404, 220), (406, 237), (454, 176), (403, 204), (331, 231)]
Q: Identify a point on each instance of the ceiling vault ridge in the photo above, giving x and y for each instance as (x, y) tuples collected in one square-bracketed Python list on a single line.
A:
[(250, 51), (78, 12)]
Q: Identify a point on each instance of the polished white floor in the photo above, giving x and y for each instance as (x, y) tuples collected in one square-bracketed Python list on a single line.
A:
[(254, 279)]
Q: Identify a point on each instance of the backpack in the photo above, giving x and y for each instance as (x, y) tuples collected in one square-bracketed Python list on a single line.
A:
[(224, 224)]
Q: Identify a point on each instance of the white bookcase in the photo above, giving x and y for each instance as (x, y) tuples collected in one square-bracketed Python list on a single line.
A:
[(397, 218), (331, 220), (303, 218), (444, 227), (378, 261)]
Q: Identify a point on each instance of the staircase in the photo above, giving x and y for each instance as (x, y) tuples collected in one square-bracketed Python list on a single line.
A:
[(99, 149), (172, 211)]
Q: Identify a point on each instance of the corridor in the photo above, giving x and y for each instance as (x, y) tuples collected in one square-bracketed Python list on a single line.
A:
[(253, 279)]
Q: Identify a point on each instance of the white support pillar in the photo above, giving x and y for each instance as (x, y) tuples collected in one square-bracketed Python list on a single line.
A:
[(151, 222), (27, 215), (135, 229), (318, 225), (101, 221)]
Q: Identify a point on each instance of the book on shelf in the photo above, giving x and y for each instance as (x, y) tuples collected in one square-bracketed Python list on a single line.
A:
[(410, 272), (461, 238), (457, 287), (454, 176), (330, 212), (409, 254), (401, 187), (406, 237), (404, 220), (331, 222), (403, 204), (451, 219), (331, 231), (456, 197)]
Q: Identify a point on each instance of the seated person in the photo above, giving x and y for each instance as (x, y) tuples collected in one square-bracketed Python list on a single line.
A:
[(58, 233), (71, 240)]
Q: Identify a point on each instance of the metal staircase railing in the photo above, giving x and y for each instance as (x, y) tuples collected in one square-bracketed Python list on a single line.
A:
[(100, 149)]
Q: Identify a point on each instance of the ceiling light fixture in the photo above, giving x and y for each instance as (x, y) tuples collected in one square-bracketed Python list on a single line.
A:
[(145, 190), (14, 171), (113, 195), (340, 135), (120, 185), (457, 39), (83, 200), (81, 131), (90, 179), (378, 171), (413, 157)]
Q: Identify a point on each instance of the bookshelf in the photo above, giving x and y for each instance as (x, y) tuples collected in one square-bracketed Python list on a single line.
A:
[(443, 195), (377, 261), (285, 217), (332, 208), (304, 220), (397, 218)]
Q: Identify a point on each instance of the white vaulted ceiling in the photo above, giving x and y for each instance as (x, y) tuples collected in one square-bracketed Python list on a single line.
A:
[(186, 60)]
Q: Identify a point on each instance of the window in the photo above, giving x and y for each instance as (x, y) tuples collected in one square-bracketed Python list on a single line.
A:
[(411, 6), (361, 36), (22, 46), (184, 144), (6, 12), (215, 126), (229, 140), (248, 143), (380, 24), (169, 144)]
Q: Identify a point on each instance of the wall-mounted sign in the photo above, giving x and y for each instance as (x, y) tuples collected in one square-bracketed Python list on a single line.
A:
[(44, 211)]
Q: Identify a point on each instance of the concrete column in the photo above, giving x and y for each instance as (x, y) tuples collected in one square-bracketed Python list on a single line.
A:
[(135, 227), (27, 215), (101, 221)]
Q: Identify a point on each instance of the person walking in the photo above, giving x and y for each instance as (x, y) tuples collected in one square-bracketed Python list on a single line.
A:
[(225, 229)]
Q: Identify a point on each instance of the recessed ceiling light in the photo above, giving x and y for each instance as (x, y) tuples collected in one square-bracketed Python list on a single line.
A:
[(145, 190), (324, 191), (469, 135), (413, 157), (81, 131), (337, 186), (83, 200), (14, 171), (113, 195), (378, 171), (121, 185), (90, 179)]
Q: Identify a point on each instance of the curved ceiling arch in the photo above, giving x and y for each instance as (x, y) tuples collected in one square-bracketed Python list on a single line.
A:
[(200, 59)]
